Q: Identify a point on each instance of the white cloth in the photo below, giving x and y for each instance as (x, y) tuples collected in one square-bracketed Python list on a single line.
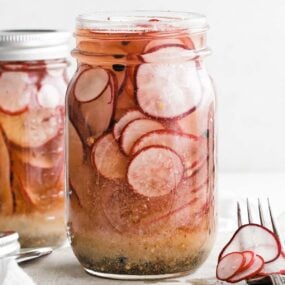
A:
[(12, 274)]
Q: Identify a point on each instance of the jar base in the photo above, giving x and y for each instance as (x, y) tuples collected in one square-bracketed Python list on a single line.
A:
[(134, 276)]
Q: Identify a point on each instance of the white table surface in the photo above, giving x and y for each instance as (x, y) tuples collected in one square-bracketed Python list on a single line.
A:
[(61, 267)]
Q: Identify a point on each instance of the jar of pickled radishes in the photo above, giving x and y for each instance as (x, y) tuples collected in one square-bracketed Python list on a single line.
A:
[(141, 145), (33, 81)]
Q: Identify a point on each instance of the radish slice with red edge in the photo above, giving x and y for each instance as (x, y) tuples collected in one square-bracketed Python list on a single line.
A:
[(90, 84), (136, 129), (256, 238), (108, 159), (277, 266), (252, 271), (155, 44), (155, 171), (127, 118), (249, 259), (229, 265), (168, 90), (186, 146), (15, 92)]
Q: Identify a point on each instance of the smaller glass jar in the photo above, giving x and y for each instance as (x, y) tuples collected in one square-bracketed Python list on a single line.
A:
[(33, 80)]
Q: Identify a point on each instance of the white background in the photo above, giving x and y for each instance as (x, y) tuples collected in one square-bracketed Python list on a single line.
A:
[(248, 64)]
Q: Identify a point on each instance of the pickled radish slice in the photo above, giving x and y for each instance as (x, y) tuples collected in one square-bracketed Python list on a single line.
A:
[(249, 259), (91, 84), (170, 90), (275, 267), (136, 129), (256, 238), (254, 269), (42, 187), (157, 43), (50, 97), (108, 158), (15, 92), (6, 198), (229, 265), (185, 146), (166, 53), (127, 118), (155, 171), (33, 128), (196, 166), (98, 113)]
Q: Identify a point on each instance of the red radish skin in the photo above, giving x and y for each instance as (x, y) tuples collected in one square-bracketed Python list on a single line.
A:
[(126, 119), (256, 238), (135, 130), (98, 113), (90, 84), (15, 92), (186, 146), (108, 158), (196, 166), (249, 259), (276, 266), (168, 91), (229, 265), (158, 43), (34, 128), (252, 271), (155, 171)]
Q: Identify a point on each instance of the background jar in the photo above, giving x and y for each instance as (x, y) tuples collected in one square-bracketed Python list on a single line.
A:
[(141, 145), (33, 80)]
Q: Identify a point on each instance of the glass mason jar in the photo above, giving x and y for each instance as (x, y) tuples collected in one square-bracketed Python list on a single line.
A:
[(141, 159), (33, 83)]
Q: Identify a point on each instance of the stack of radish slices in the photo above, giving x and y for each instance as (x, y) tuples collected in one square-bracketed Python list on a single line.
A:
[(253, 251)]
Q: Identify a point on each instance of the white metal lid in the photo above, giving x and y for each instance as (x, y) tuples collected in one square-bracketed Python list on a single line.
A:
[(20, 45)]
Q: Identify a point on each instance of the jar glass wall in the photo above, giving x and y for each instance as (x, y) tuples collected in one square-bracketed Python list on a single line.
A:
[(141, 145)]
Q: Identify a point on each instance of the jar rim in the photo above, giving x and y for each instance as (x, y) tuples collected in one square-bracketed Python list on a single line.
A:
[(141, 21)]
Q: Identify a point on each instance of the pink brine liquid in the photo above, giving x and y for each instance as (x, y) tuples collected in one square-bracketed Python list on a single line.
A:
[(32, 151), (141, 166)]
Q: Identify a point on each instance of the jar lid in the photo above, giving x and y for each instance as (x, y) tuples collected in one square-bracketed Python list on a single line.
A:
[(18, 45)]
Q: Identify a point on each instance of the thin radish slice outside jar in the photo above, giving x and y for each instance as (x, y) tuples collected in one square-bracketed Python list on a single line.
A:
[(15, 92), (155, 171), (108, 158), (229, 265), (90, 84), (186, 146), (168, 90), (127, 118), (136, 129), (249, 259), (277, 266), (252, 271), (34, 128), (256, 238)]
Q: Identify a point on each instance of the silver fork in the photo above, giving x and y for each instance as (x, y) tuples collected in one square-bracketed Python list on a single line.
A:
[(274, 279)]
